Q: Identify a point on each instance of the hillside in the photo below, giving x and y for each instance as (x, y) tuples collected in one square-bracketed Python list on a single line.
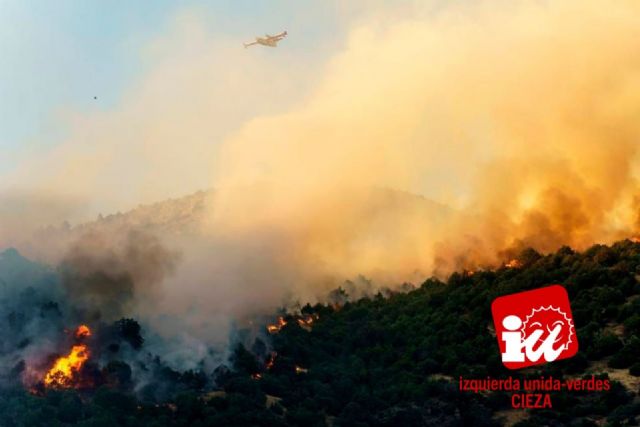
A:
[(184, 215), (179, 215), (391, 360), (396, 360)]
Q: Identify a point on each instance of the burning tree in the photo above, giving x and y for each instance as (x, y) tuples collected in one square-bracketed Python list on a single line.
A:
[(276, 327), (66, 370)]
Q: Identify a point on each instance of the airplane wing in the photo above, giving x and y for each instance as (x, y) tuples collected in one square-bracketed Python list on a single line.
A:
[(277, 37), (246, 45)]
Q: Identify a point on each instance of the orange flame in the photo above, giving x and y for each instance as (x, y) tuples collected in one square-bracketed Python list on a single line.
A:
[(275, 328), (65, 369), (83, 331), (271, 360), (514, 263), (307, 321)]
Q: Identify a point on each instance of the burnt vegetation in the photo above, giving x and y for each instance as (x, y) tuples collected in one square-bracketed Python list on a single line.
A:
[(389, 359)]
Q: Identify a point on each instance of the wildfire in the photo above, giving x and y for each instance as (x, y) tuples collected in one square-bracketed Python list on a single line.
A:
[(271, 360), (66, 368), (635, 239), (256, 376), (64, 372), (307, 321), (300, 370), (83, 331), (275, 328), (514, 263)]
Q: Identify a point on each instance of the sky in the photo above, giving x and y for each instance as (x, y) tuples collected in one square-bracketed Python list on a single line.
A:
[(60, 55), (56, 57)]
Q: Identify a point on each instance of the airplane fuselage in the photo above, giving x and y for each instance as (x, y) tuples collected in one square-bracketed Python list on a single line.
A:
[(270, 41), (267, 42)]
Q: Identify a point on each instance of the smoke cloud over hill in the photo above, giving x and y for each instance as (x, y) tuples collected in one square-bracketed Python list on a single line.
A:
[(522, 116)]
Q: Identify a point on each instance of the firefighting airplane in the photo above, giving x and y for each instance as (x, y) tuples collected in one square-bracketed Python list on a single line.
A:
[(267, 40)]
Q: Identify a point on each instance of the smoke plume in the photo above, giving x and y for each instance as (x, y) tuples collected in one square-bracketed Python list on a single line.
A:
[(521, 116), (105, 275)]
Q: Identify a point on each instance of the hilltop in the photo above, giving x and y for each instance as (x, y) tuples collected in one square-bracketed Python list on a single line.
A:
[(185, 214)]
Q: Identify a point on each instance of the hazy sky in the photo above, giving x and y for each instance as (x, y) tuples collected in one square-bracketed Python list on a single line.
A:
[(56, 56), (60, 55)]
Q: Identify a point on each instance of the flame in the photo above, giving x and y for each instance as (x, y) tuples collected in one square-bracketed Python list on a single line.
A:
[(65, 369), (257, 376), (275, 328), (271, 361), (307, 321), (514, 263), (635, 239), (300, 370), (83, 331)]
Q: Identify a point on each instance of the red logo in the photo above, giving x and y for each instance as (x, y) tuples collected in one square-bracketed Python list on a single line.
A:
[(534, 327)]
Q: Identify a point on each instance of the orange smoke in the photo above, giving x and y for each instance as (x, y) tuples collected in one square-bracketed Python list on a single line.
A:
[(520, 131)]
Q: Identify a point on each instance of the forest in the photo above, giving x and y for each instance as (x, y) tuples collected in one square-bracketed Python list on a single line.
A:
[(391, 358)]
